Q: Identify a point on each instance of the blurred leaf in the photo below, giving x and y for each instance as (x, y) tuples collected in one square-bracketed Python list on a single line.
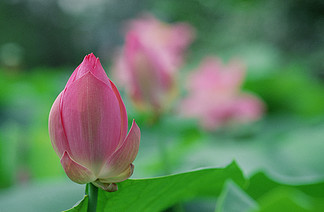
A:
[(284, 199), (234, 199), (281, 196), (291, 152), (291, 90), (314, 189)]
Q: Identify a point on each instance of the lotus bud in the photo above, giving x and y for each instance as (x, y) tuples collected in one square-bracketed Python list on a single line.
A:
[(215, 97), (88, 128), (149, 62)]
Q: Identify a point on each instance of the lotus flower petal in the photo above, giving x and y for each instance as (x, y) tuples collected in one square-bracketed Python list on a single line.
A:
[(92, 120), (215, 97), (56, 129), (124, 156), (248, 107), (123, 113), (121, 177), (92, 64), (75, 171)]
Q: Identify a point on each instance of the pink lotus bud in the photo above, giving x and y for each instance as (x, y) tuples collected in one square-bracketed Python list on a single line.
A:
[(88, 128), (149, 62), (215, 96)]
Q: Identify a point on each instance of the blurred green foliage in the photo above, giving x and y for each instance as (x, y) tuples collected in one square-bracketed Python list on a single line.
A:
[(57, 32), (291, 90), (280, 156), (25, 102)]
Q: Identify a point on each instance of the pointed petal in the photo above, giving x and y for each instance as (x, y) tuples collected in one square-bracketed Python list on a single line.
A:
[(123, 113), (121, 177), (92, 64), (124, 156), (76, 172), (247, 107), (56, 128), (181, 36), (91, 116)]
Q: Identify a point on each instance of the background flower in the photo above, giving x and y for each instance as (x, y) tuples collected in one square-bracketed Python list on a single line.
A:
[(215, 96), (150, 60)]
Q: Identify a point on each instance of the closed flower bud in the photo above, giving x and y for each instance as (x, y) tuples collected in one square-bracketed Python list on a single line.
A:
[(88, 128), (149, 62)]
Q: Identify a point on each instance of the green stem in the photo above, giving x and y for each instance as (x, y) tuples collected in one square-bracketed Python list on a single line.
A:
[(156, 122), (93, 196), (164, 156)]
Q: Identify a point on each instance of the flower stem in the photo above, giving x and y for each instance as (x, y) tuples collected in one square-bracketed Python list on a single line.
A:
[(156, 122), (93, 196), (164, 156)]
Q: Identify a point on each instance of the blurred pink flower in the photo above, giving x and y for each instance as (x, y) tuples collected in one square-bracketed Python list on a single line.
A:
[(88, 128), (150, 60), (215, 97)]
